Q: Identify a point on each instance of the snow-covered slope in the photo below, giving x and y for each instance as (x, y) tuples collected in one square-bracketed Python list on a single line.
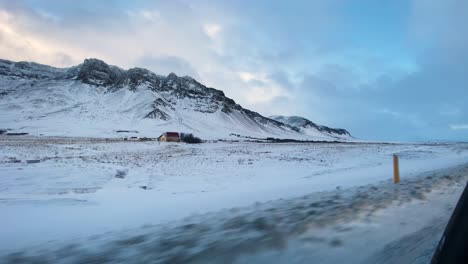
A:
[(96, 99), (307, 127)]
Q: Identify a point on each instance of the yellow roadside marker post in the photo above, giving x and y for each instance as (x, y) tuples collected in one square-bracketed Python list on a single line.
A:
[(396, 169)]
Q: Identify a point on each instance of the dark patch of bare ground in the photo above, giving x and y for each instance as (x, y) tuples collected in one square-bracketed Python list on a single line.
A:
[(223, 236)]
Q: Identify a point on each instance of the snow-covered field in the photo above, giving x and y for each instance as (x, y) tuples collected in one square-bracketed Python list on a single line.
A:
[(98, 200)]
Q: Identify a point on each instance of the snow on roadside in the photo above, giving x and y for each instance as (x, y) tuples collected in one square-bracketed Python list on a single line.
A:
[(317, 227), (73, 192)]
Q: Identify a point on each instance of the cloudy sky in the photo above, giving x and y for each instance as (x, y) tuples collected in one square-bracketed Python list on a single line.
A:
[(384, 70)]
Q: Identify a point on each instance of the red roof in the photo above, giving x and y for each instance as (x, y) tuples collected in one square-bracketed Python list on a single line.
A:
[(172, 134)]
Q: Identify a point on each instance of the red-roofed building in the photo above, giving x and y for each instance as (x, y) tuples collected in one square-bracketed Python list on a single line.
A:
[(170, 137)]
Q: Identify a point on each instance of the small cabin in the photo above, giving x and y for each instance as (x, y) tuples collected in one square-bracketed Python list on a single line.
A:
[(170, 137)]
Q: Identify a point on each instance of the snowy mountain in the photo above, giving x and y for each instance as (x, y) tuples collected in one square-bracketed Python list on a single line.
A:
[(307, 127), (96, 99)]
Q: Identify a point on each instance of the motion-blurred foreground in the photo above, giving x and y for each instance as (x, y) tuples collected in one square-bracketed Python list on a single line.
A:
[(70, 200)]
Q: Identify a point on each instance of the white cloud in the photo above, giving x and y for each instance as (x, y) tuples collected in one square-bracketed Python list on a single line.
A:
[(459, 127), (248, 76), (212, 30), (261, 89), (265, 94), (54, 18), (389, 112), (149, 15), (19, 44)]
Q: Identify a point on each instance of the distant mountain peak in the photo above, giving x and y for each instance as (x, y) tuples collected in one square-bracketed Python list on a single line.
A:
[(308, 127), (172, 76), (94, 62), (97, 72)]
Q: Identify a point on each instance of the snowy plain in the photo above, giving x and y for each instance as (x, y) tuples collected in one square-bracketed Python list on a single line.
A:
[(98, 191)]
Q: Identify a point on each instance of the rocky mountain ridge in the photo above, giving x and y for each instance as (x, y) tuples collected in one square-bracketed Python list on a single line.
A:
[(173, 102)]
